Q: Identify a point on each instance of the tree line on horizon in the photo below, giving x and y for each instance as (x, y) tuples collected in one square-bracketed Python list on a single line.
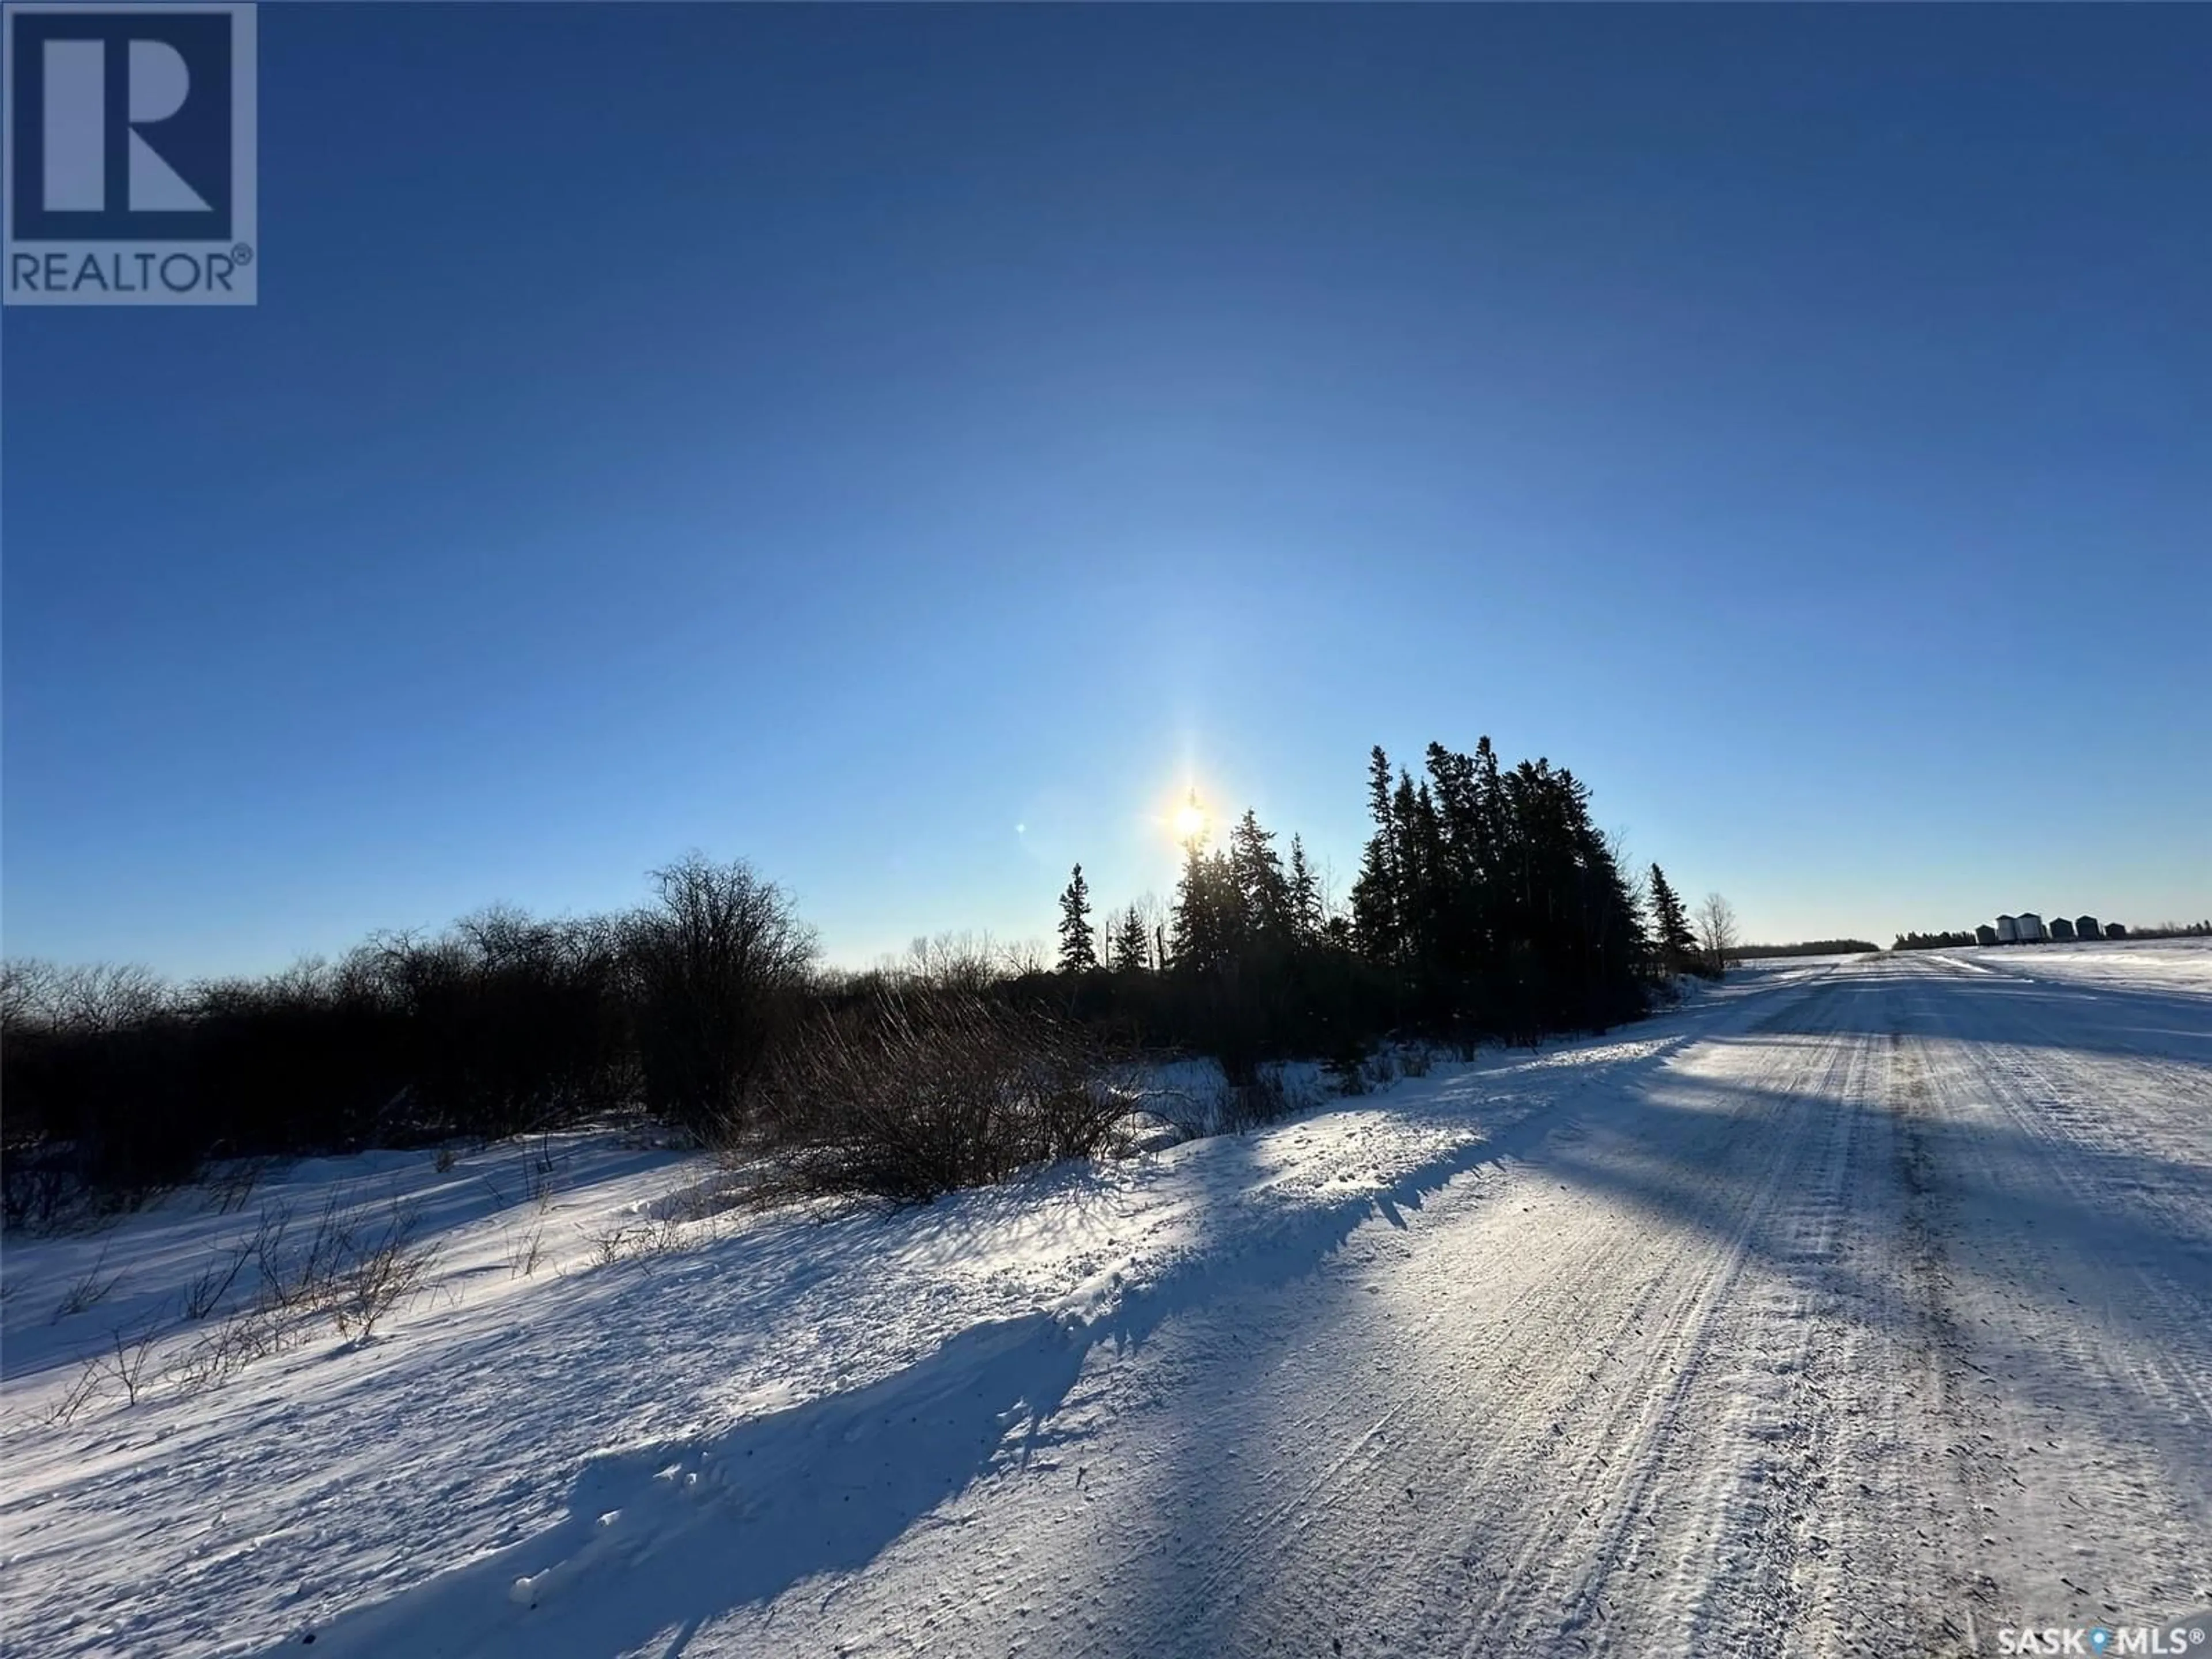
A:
[(1487, 907), (1936, 941), (1811, 947)]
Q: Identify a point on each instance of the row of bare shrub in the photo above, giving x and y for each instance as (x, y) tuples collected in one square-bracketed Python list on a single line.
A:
[(910, 1092), (118, 1084), (703, 1008)]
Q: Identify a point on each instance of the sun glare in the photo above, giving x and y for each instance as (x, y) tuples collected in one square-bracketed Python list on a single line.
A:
[(1190, 820)]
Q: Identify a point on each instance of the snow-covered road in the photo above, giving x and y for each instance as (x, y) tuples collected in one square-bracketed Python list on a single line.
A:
[(1867, 1310), (1879, 1324)]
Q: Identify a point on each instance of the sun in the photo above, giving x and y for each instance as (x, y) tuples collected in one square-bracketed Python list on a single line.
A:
[(1190, 821)]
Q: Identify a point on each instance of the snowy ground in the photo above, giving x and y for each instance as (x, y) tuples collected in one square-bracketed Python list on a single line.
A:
[(1864, 1305)]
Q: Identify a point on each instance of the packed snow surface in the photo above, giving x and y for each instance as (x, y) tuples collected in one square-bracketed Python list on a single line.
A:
[(1860, 1306)]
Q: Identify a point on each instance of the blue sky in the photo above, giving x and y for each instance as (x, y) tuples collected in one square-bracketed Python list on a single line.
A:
[(902, 446)]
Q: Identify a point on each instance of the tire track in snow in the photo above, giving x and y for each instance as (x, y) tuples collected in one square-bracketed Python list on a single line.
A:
[(1585, 1473), (1951, 1599), (1713, 1483), (2079, 1364)]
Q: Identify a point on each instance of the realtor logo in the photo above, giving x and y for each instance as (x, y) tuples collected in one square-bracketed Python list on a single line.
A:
[(130, 163)]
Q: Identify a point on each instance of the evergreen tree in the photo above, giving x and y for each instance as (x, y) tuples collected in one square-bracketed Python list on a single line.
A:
[(1131, 940), (1208, 917), (1306, 918), (1078, 953), (1487, 902), (1375, 893), (1670, 926), (1491, 900), (1194, 942), (1263, 892), (1423, 919)]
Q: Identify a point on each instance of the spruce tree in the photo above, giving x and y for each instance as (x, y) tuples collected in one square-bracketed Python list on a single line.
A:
[(1423, 880), (1375, 893), (1078, 953), (1196, 940), (1263, 892), (1305, 899), (1131, 940), (1494, 900), (1670, 926)]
